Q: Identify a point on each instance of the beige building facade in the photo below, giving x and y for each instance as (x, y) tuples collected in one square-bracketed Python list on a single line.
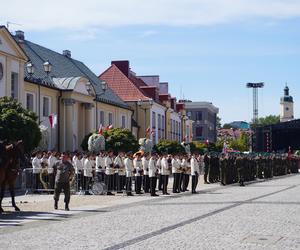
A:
[(70, 92)]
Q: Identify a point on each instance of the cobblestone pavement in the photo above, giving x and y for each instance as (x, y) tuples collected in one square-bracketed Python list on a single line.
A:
[(262, 215)]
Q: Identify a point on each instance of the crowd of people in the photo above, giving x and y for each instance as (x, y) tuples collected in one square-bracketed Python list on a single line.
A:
[(151, 172)]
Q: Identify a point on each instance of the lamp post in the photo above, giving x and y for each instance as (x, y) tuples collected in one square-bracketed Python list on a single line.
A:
[(141, 103), (30, 68), (90, 88)]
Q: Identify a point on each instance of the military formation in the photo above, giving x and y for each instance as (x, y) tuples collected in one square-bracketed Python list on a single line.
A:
[(150, 173)]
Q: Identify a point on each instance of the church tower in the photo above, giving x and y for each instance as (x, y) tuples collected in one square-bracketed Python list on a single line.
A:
[(286, 106)]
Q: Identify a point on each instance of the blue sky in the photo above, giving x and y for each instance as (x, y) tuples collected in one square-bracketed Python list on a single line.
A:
[(207, 50)]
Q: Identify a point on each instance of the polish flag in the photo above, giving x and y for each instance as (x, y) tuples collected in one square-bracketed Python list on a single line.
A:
[(109, 127), (148, 130), (100, 131), (53, 120)]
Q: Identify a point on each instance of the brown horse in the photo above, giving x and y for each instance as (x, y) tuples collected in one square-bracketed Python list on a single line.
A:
[(9, 170)]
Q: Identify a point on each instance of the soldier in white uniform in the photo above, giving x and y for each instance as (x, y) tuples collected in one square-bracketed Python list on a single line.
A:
[(153, 172), (88, 169), (129, 172), (195, 173), (77, 163), (138, 169), (121, 179), (36, 169), (166, 165), (176, 170), (100, 167), (109, 172), (186, 169), (158, 165), (51, 161), (146, 180)]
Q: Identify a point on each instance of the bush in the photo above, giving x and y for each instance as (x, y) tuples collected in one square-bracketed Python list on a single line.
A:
[(17, 123), (169, 147), (84, 143), (116, 139)]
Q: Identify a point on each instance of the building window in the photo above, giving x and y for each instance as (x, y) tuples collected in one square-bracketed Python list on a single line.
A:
[(153, 126), (46, 106), (198, 115), (159, 126), (163, 126), (123, 121), (110, 119), (14, 85), (199, 131), (30, 101), (101, 118), (176, 131), (179, 131)]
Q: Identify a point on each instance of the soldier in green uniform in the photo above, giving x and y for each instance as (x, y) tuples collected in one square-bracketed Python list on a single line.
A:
[(223, 162), (63, 172), (206, 167), (239, 162)]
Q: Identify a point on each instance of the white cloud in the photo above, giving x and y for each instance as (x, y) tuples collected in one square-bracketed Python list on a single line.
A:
[(78, 14)]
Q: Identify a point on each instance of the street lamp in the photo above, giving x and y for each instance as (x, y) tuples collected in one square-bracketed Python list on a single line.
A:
[(30, 68), (103, 86), (140, 103), (91, 87), (47, 67)]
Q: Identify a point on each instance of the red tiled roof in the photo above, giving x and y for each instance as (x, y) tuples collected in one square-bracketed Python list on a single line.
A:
[(126, 88)]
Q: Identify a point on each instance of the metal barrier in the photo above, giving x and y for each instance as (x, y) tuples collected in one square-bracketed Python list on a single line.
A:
[(40, 181)]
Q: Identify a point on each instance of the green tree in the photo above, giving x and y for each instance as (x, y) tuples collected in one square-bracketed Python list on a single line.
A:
[(227, 126), (241, 144), (264, 121), (170, 147), (116, 139), (17, 123), (84, 143)]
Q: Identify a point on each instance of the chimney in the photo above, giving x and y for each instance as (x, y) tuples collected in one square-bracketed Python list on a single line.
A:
[(67, 53), (123, 66), (20, 35)]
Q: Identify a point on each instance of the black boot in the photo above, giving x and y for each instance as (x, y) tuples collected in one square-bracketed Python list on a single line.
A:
[(67, 207), (55, 205)]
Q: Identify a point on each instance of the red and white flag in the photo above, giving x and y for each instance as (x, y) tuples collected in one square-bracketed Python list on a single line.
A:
[(53, 120), (109, 127), (100, 131), (148, 130)]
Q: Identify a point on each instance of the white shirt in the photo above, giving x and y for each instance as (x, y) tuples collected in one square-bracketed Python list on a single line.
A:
[(36, 165), (100, 164), (119, 161), (138, 166), (109, 170), (51, 161), (165, 168), (176, 164), (128, 167), (88, 168), (77, 165), (194, 166), (145, 164), (158, 165), (152, 167)]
